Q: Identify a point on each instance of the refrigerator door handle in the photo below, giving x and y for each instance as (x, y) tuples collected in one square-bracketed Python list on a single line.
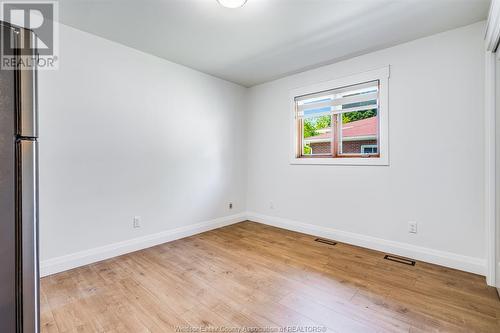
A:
[(28, 234), (27, 125)]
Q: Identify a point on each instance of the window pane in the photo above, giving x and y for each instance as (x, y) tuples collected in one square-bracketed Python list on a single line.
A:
[(359, 133), (317, 135)]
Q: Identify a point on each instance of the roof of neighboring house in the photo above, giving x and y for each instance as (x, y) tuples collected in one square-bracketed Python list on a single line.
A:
[(365, 129)]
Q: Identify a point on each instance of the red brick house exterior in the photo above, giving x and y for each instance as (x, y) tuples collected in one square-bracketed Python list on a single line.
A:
[(357, 137)]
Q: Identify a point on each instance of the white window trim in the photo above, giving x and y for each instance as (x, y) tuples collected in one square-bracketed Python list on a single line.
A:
[(381, 74)]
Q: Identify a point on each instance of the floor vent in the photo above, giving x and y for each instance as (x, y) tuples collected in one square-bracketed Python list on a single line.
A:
[(400, 260), (326, 241)]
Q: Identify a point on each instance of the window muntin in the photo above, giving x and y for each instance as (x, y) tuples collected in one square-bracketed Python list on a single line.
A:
[(338, 122)]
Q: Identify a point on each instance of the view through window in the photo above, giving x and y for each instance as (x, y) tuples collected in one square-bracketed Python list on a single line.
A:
[(340, 122)]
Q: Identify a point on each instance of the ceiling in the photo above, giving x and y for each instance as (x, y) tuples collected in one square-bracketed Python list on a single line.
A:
[(265, 39)]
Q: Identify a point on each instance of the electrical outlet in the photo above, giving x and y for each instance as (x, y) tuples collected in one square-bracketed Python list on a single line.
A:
[(137, 222), (230, 205), (412, 227)]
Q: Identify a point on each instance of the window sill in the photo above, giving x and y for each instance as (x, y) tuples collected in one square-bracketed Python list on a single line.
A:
[(381, 161)]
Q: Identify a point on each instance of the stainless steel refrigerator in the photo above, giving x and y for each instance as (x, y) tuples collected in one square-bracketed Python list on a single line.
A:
[(19, 277)]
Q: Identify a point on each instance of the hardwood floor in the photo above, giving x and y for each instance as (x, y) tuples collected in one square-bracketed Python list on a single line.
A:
[(252, 275)]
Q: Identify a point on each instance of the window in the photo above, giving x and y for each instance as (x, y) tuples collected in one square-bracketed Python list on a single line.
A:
[(369, 149), (342, 121)]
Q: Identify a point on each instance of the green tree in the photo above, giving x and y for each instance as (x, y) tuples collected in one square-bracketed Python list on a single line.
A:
[(312, 125), (323, 122), (358, 115), (309, 128)]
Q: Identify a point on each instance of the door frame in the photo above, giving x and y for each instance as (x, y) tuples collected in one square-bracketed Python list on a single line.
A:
[(492, 38), (490, 165)]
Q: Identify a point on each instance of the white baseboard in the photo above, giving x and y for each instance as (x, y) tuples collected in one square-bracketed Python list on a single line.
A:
[(63, 263), (447, 259)]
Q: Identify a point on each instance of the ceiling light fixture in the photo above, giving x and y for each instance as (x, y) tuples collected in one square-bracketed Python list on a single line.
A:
[(232, 3)]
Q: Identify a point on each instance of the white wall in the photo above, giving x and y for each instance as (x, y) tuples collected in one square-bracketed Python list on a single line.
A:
[(436, 143), (124, 133)]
